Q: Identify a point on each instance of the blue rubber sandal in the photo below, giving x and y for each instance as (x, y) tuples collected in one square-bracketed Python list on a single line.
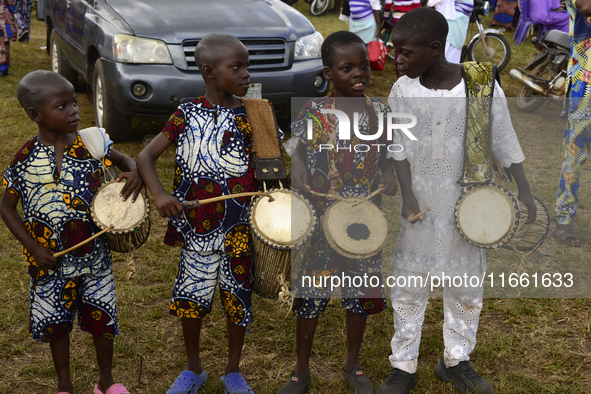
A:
[(234, 383), (188, 382)]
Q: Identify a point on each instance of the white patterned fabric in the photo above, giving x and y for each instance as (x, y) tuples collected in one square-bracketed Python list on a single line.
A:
[(434, 245)]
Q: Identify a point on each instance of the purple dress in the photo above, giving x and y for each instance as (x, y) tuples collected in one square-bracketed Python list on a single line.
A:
[(540, 11)]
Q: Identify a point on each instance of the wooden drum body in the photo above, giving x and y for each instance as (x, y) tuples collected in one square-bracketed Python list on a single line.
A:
[(130, 221), (280, 226), (355, 228), (489, 217)]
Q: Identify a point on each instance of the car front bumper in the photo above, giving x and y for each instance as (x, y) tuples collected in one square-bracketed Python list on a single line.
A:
[(167, 86)]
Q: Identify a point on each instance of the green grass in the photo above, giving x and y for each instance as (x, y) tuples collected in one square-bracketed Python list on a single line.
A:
[(524, 345)]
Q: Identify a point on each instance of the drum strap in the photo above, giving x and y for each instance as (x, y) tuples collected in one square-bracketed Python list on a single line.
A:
[(479, 162), (268, 159)]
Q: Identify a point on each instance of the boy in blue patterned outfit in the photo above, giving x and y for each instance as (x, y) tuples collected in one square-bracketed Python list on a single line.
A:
[(55, 177), (213, 141)]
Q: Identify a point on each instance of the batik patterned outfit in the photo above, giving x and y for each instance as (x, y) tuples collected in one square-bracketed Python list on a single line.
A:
[(347, 174), (213, 146), (434, 245), (577, 135), (22, 17), (56, 213), (7, 33)]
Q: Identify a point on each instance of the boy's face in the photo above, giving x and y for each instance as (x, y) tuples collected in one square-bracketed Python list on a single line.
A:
[(59, 112), (350, 72), (413, 59), (231, 71)]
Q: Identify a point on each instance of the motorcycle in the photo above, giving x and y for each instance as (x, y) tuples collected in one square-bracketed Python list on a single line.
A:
[(319, 7), (487, 45), (546, 75)]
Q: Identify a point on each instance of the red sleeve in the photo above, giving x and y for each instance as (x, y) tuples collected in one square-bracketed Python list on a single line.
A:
[(175, 125)]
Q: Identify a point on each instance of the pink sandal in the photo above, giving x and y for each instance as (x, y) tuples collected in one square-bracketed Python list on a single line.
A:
[(117, 388)]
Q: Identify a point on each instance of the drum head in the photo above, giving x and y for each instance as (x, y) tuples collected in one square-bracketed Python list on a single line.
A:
[(355, 231), (486, 215), (109, 209), (285, 221)]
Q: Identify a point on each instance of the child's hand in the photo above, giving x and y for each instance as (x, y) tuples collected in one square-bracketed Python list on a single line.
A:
[(43, 257), (168, 206), (299, 176), (410, 206), (530, 203), (134, 184), (389, 183)]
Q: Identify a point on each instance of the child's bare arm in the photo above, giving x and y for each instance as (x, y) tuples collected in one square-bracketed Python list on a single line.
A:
[(299, 172), (388, 179), (134, 182), (43, 256), (525, 195), (410, 205), (166, 204), (584, 7)]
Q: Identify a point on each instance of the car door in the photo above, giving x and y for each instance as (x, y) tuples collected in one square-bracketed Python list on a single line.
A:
[(69, 23)]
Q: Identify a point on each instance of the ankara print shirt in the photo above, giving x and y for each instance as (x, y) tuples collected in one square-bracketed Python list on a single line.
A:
[(56, 207), (579, 64), (348, 172), (213, 146)]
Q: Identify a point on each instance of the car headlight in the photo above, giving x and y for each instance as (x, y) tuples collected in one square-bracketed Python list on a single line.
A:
[(132, 49), (308, 47)]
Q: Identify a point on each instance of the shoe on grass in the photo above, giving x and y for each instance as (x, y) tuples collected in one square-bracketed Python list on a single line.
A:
[(296, 385), (398, 382), (464, 377), (357, 382)]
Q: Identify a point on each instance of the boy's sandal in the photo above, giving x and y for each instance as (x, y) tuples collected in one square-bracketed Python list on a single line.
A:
[(117, 388), (63, 392), (357, 382), (234, 383), (567, 232), (188, 382)]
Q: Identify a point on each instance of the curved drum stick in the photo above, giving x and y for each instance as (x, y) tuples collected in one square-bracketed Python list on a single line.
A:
[(192, 204), (63, 252)]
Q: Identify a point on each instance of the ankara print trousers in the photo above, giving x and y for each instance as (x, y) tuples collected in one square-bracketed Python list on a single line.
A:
[(576, 142)]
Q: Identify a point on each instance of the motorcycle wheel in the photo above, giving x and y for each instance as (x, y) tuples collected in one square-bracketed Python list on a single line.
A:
[(319, 7), (525, 101), (499, 50)]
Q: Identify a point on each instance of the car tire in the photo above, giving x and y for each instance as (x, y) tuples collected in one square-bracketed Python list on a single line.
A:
[(58, 63), (106, 113)]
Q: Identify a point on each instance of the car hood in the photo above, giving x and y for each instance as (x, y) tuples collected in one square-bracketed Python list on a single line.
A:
[(178, 20)]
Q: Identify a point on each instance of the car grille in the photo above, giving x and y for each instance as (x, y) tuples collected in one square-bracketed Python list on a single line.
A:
[(263, 53)]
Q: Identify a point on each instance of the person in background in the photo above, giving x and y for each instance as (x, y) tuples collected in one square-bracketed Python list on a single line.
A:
[(550, 13), (506, 13), (365, 19), (22, 17), (577, 135), (457, 13), (7, 34)]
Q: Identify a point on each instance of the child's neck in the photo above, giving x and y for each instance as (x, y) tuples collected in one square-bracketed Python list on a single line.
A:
[(56, 139), (442, 76), (224, 99)]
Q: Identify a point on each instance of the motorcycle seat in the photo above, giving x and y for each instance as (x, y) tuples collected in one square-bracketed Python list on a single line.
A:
[(556, 37)]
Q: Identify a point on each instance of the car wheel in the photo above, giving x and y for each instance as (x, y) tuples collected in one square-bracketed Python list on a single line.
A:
[(58, 64), (105, 112)]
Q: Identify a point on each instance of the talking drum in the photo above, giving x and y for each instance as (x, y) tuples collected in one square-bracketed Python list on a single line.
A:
[(355, 228), (489, 217), (130, 221), (284, 225)]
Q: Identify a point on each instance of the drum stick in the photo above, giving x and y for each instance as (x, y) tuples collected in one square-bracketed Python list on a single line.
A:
[(191, 204), (63, 252), (372, 195), (418, 215)]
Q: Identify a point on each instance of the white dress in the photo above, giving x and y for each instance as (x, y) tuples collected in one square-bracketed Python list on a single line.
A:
[(434, 245)]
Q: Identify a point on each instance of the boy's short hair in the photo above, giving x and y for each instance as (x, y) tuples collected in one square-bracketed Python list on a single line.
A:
[(335, 40), (211, 47), (422, 25), (34, 88)]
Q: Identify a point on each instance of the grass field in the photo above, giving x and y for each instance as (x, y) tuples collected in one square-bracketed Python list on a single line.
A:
[(531, 345)]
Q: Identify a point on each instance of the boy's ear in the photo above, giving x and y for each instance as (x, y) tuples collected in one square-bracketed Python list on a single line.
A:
[(327, 73), (207, 71), (34, 114), (435, 48)]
